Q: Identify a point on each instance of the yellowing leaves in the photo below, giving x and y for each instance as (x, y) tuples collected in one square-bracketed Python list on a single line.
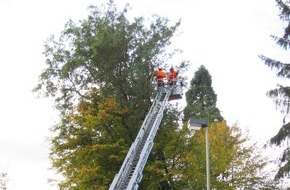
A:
[(109, 110)]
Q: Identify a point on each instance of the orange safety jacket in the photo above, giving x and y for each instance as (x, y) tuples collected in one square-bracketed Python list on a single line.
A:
[(160, 75), (172, 76)]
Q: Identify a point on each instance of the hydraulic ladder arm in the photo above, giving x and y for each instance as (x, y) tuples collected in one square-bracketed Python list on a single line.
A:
[(130, 173)]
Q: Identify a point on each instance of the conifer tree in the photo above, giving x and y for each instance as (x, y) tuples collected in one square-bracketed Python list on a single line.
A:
[(234, 165), (201, 98), (281, 94), (201, 104)]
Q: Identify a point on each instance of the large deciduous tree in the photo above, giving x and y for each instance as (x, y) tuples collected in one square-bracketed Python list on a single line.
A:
[(100, 73), (281, 94)]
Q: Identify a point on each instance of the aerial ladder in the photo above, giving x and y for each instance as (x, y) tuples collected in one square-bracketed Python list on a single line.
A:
[(130, 173)]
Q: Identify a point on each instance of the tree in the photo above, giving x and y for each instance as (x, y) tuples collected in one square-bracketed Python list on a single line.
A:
[(247, 169), (281, 94), (201, 103), (163, 168), (100, 75), (201, 98), (222, 151), (234, 165)]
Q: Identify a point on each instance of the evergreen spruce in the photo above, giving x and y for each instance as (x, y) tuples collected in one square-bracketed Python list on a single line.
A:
[(201, 98), (281, 94)]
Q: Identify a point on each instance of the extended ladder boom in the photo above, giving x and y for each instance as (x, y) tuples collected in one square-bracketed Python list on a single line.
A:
[(130, 173)]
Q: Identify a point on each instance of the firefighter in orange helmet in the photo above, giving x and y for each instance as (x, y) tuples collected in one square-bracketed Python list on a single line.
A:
[(172, 76), (160, 75)]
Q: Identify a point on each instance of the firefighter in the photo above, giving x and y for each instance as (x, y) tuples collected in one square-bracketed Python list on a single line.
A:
[(160, 75), (172, 76)]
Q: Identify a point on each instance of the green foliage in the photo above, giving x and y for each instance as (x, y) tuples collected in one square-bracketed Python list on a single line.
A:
[(283, 134), (223, 146), (232, 164), (281, 94), (201, 98), (162, 166), (87, 149), (247, 168), (105, 50), (100, 74)]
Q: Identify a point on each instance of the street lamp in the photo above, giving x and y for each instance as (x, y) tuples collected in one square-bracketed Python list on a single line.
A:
[(197, 124)]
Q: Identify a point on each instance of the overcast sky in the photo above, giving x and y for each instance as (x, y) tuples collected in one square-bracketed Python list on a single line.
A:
[(225, 36)]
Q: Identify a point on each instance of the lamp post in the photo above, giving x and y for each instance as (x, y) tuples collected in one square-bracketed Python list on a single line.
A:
[(197, 124)]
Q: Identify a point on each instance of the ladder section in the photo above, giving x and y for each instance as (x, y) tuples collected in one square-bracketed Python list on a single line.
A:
[(130, 173)]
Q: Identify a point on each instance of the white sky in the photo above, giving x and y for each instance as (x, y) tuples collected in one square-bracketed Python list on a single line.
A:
[(226, 36)]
